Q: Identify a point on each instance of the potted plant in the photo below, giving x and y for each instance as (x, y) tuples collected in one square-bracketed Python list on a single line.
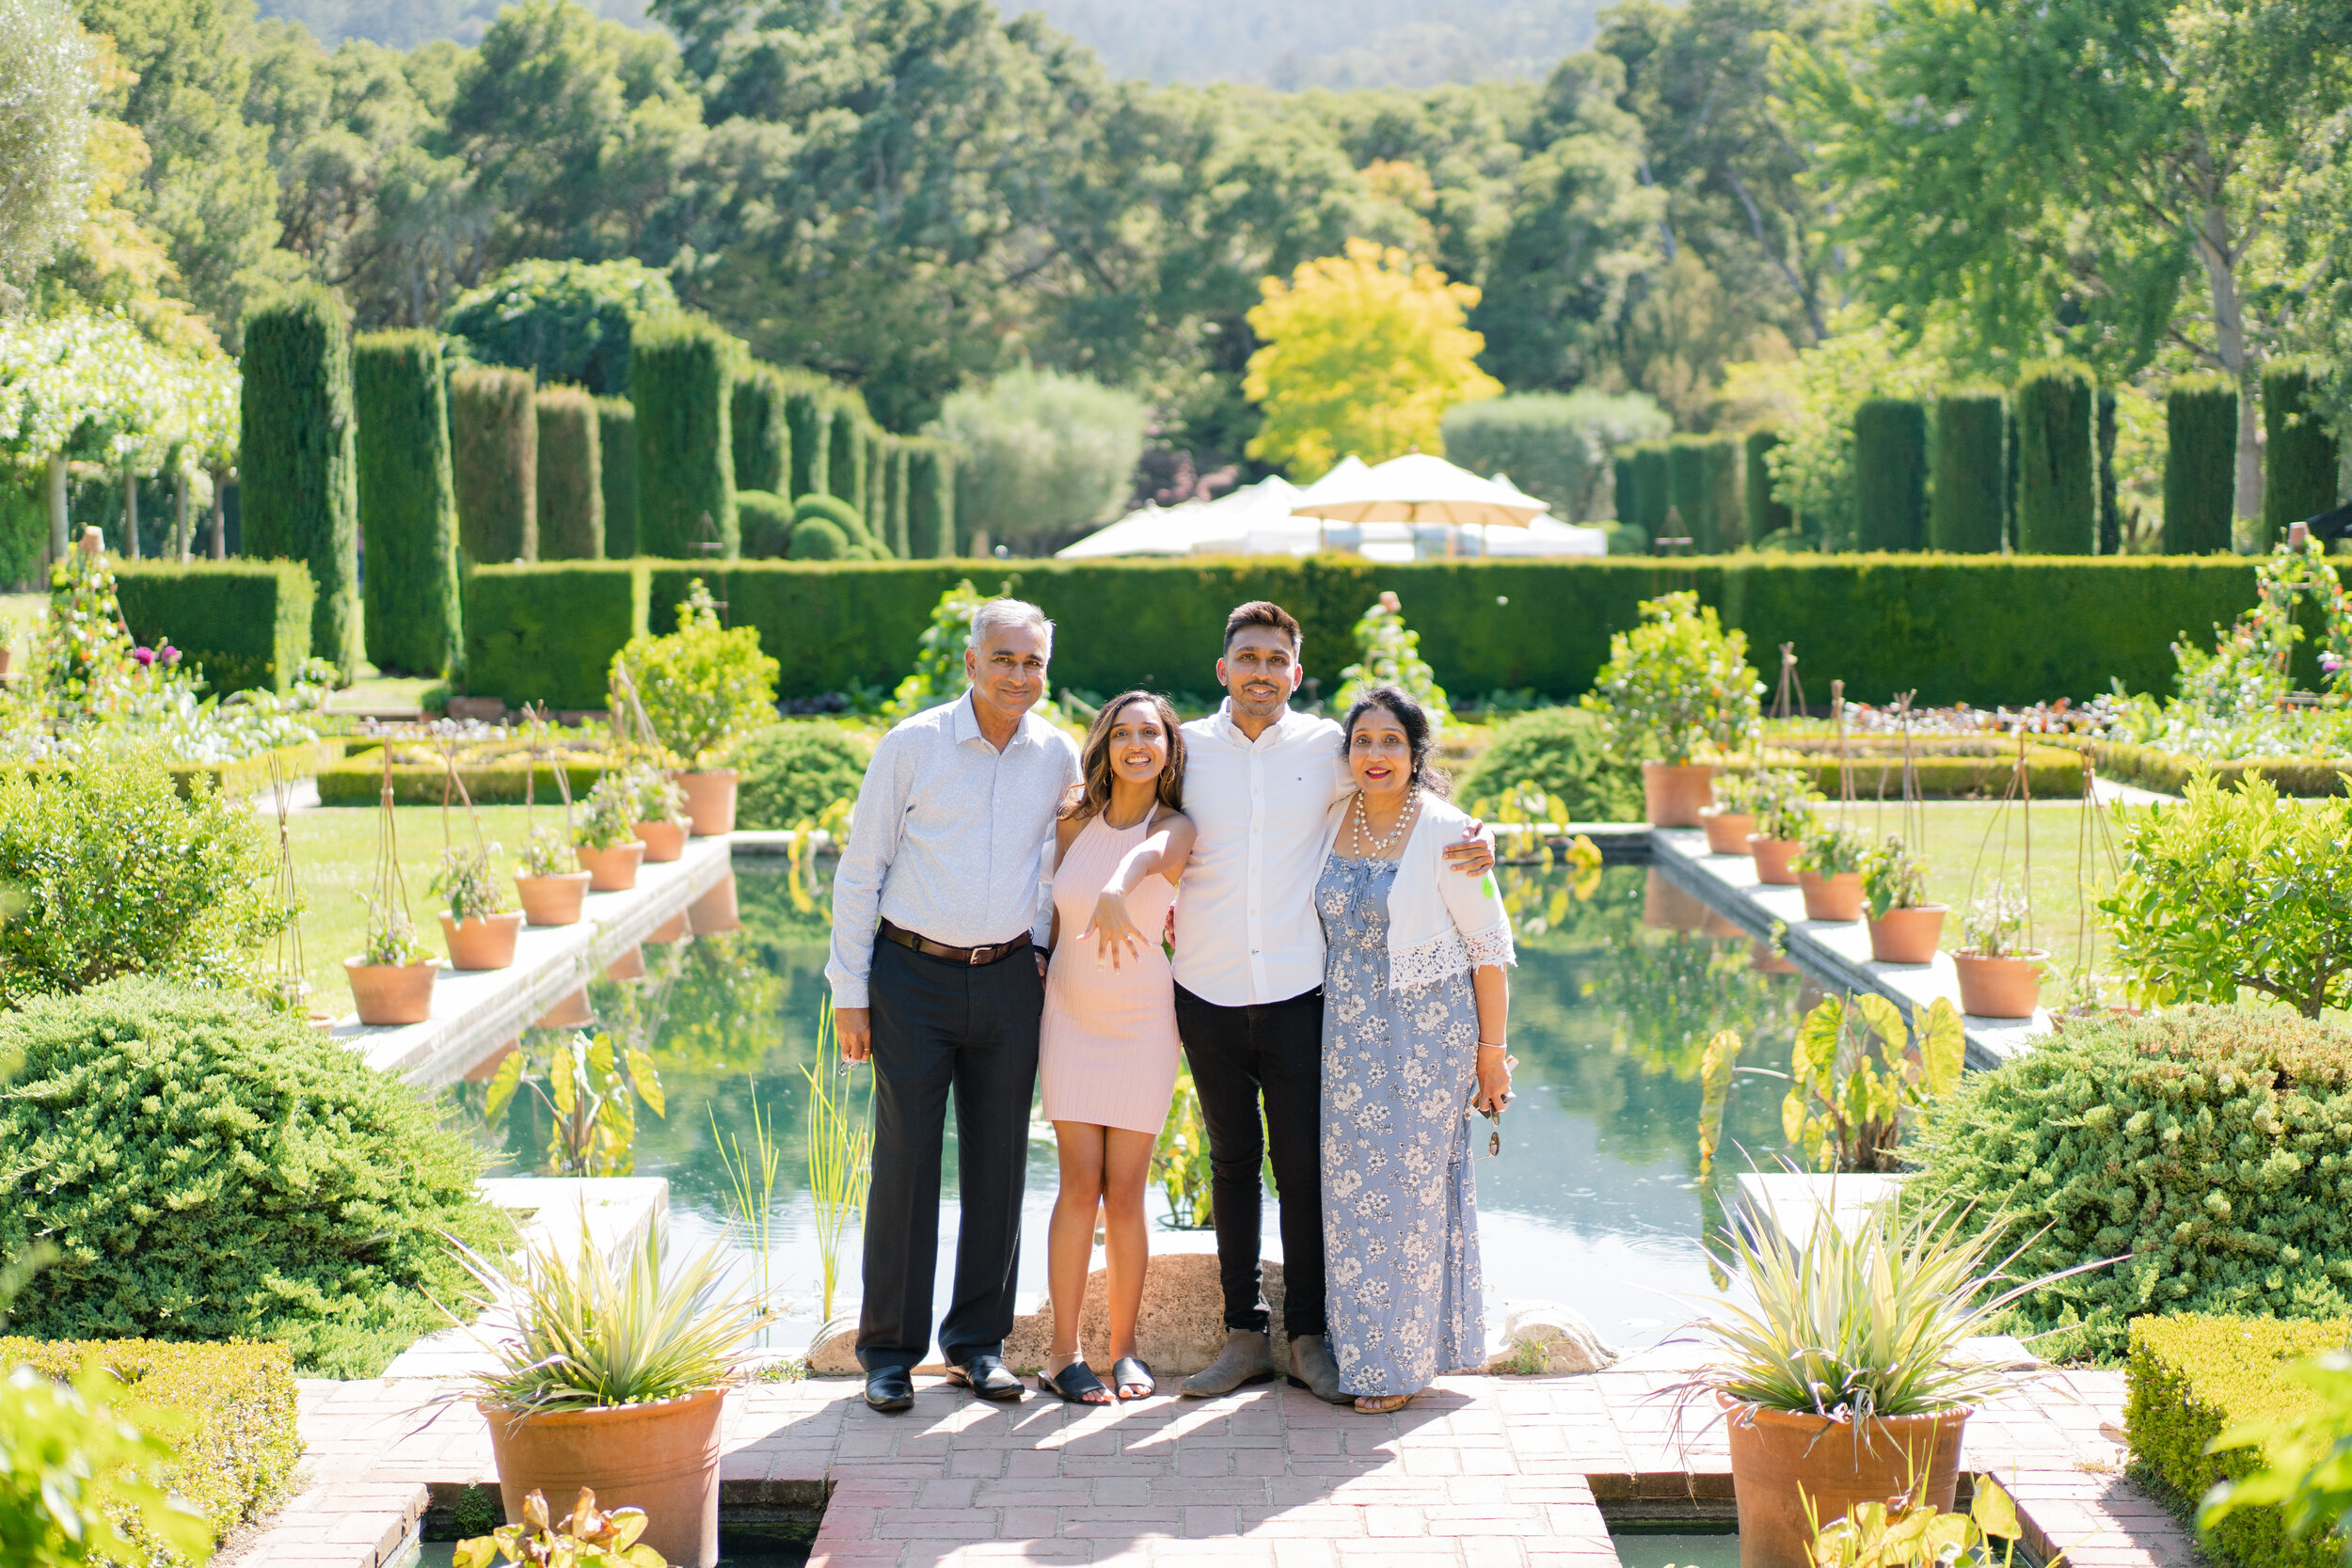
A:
[(702, 688), (480, 926), (606, 838), (1676, 685), (550, 879), (1784, 813), (612, 1372), (1904, 927), (661, 823), (1829, 869), (1998, 977), (392, 979), (1732, 817)]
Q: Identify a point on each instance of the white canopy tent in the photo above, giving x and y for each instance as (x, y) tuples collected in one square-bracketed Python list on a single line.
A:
[(1253, 520), (1416, 488)]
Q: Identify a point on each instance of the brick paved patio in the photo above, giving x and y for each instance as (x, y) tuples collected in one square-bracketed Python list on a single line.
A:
[(1480, 1473)]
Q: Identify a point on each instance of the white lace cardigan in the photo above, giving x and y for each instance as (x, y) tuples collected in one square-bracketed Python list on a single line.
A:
[(1440, 922)]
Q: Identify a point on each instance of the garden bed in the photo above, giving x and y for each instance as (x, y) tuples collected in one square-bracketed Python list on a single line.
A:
[(2153, 767)]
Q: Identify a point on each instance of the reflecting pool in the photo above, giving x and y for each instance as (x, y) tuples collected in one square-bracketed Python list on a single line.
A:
[(1594, 1200)]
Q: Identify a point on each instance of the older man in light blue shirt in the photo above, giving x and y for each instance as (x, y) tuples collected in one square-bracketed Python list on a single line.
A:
[(938, 977)]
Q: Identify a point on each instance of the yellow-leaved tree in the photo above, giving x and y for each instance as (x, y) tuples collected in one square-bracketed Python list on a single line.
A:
[(1362, 353)]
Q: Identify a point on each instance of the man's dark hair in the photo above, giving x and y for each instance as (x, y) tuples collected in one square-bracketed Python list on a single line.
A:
[(1262, 612)]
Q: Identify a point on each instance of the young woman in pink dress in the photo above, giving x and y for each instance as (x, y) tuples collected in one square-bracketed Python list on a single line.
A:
[(1106, 1046)]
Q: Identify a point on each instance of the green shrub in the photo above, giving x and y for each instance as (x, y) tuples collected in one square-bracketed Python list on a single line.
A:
[(2198, 1145), (680, 372), (1675, 683), (408, 501), (931, 500), (1653, 488), (616, 461), (246, 624), (1964, 512), (1551, 444), (1621, 484), (1562, 752), (819, 539), (206, 1168), (793, 772), (1890, 474), (759, 433), (1721, 464), (1766, 514), (766, 523), (2192, 1377), (119, 873), (571, 477), (840, 514), (845, 464), (547, 634), (296, 489), (2200, 464), (80, 1483), (2057, 462), (358, 780), (2299, 453), (2152, 768), (702, 687), (1043, 453), (494, 435), (808, 420), (564, 321), (229, 1410)]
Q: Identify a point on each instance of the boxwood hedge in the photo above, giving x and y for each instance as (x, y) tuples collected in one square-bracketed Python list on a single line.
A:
[(246, 623), (547, 633)]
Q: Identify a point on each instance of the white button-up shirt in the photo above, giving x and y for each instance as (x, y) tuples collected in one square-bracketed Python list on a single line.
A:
[(1247, 932), (950, 838)]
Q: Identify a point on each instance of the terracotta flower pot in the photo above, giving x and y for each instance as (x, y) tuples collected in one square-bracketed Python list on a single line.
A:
[(1762, 959), (1674, 794), (714, 913), (552, 901), (662, 1457), (485, 941), (569, 1012), (1778, 1460), (1907, 935), (1837, 898), (1773, 856), (2008, 986), (629, 965), (1727, 832), (709, 800), (663, 841), (669, 930), (392, 993), (612, 870), (1667, 908)]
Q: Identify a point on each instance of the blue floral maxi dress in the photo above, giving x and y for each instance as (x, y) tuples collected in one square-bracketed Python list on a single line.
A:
[(1400, 1210)]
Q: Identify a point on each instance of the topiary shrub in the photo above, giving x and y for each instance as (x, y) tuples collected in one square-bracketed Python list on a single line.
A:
[(1653, 489), (564, 321), (209, 1169), (570, 490), (1890, 474), (808, 421), (819, 539), (845, 464), (765, 520), (2057, 495), (494, 431), (679, 379), (931, 500), (840, 514), (119, 873), (1766, 514), (2299, 453), (2200, 464), (2202, 1145), (792, 772), (760, 433), (1965, 513), (408, 501), (297, 492), (616, 466), (1558, 752)]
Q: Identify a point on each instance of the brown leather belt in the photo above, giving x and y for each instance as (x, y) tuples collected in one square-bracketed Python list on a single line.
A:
[(971, 957)]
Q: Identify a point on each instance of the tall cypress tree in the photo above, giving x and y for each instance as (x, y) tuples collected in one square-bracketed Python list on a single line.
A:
[(616, 458), (808, 420), (1890, 474), (1766, 514), (296, 465), (931, 500), (2058, 486), (1621, 482), (1966, 508), (494, 435), (2200, 464), (877, 487), (571, 477), (1686, 491), (2110, 503), (844, 474), (681, 377), (2299, 455), (761, 434), (1652, 489), (407, 502), (902, 540)]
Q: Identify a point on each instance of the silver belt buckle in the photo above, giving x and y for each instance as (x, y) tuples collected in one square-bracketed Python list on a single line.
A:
[(978, 955)]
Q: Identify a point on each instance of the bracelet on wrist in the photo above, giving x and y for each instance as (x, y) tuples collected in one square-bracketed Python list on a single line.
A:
[(1492, 1045)]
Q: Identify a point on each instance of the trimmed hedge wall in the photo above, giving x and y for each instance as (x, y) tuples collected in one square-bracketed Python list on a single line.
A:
[(358, 780), (761, 436), (2299, 455), (1767, 513), (1653, 488), (247, 623), (571, 477), (494, 431), (845, 466), (897, 533), (1890, 474), (680, 369), (616, 460), (2057, 463), (808, 421), (931, 500), (297, 491), (408, 501), (2152, 768), (1966, 511), (2200, 464), (547, 633), (250, 775)]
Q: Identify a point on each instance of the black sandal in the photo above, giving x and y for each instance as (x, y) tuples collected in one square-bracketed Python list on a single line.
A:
[(1123, 1378), (1073, 1383)]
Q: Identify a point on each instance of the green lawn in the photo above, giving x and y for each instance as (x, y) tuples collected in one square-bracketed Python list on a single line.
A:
[(373, 693)]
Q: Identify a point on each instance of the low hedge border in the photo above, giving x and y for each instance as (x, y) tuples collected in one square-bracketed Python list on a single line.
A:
[(358, 780), (2193, 1376), (246, 623), (235, 1403), (2051, 773), (250, 775), (2153, 767)]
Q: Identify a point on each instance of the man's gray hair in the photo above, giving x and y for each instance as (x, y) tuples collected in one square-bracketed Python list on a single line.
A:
[(1008, 613)]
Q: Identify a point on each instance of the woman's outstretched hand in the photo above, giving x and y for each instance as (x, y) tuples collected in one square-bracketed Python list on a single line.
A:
[(1115, 933), (1494, 1080)]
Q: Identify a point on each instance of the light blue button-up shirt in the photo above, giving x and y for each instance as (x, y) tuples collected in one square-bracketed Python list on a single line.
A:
[(951, 840)]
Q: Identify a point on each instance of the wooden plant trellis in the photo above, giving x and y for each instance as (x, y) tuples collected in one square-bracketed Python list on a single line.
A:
[(2095, 839), (1912, 819), (392, 889), (2019, 794), (1845, 764), (292, 981)]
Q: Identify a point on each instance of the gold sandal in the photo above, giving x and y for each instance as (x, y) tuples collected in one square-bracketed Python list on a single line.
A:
[(1380, 1405)]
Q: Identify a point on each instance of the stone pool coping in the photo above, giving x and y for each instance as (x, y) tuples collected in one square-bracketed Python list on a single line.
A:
[(1480, 1472)]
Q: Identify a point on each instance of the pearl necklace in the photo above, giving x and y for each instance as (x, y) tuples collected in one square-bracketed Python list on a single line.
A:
[(1377, 849)]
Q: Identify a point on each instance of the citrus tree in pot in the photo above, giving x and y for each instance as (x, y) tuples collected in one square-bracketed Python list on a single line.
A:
[(1784, 813), (613, 1376), (703, 688), (1829, 869), (1904, 927), (1999, 976), (606, 837), (550, 879), (1732, 817), (1676, 686)]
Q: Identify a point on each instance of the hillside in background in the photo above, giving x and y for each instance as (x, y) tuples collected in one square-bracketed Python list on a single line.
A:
[(405, 23)]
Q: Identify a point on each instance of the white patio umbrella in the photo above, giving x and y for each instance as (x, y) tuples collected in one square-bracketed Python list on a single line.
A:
[(1416, 488)]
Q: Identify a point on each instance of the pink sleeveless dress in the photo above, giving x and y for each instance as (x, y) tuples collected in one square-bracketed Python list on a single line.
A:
[(1106, 1046)]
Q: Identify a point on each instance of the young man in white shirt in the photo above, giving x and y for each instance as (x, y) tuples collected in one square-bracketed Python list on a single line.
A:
[(943, 866), (1258, 778)]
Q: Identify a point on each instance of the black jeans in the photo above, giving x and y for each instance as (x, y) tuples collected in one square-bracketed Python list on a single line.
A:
[(941, 1026), (1236, 1053)]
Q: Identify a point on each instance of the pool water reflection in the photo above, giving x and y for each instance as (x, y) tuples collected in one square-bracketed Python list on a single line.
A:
[(1594, 1200)]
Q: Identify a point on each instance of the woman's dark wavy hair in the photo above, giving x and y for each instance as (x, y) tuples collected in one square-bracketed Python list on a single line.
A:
[(1093, 792), (1414, 721)]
